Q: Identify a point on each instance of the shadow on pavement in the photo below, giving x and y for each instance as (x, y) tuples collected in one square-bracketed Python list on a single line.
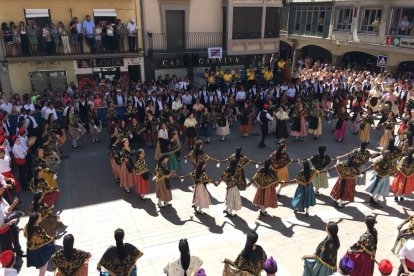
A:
[(276, 223), (146, 204)]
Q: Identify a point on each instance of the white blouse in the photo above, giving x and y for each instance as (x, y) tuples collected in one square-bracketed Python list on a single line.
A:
[(174, 268), (190, 122)]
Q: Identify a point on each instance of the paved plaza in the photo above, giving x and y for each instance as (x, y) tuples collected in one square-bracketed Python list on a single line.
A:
[(93, 206)]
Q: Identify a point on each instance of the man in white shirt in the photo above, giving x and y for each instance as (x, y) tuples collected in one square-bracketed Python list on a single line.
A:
[(406, 256), (132, 33), (187, 99), (6, 106), (120, 99), (50, 110)]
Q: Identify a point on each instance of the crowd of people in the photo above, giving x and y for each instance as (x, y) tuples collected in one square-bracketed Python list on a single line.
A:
[(165, 115), (102, 36)]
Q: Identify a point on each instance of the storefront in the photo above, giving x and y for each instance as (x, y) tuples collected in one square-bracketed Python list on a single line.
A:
[(90, 71), (194, 65)]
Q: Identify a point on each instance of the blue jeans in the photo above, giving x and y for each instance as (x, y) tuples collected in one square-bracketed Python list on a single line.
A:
[(91, 42), (205, 131)]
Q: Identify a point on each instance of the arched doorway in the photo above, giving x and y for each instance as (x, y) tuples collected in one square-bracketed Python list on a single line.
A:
[(359, 59), (285, 50), (317, 53), (406, 67)]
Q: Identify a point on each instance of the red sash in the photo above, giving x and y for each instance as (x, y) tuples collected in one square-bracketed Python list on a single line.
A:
[(5, 229), (20, 161), (410, 264)]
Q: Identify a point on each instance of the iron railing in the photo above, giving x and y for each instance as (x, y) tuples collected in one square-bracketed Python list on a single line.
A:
[(68, 44), (176, 42)]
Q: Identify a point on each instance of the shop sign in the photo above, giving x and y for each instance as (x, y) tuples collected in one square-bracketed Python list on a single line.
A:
[(100, 62), (400, 41), (200, 61)]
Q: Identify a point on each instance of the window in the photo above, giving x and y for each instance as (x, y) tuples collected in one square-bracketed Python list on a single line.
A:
[(272, 23), (370, 20), (54, 81), (402, 22), (247, 23), (310, 20), (107, 15), (344, 19)]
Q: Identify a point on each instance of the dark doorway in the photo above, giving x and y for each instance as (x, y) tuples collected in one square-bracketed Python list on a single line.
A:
[(285, 50), (134, 73), (317, 53), (175, 27), (360, 60)]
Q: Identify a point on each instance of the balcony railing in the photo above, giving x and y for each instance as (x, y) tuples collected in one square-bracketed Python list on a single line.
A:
[(162, 42), (67, 45)]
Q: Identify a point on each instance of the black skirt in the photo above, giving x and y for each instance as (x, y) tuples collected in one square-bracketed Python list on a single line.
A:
[(313, 124), (281, 129), (296, 124), (191, 132)]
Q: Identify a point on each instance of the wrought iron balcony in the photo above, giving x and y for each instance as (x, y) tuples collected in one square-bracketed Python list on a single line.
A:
[(67, 46), (163, 42)]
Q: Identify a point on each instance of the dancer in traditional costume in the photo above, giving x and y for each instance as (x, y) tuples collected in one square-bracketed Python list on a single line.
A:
[(323, 261), (201, 197), (404, 235), (363, 252), (379, 184), (250, 260), (362, 156), (186, 264), (114, 150), (142, 175), (233, 200), (162, 142), (282, 119), (298, 129), (366, 124), (162, 181), (190, 130), (280, 162), (320, 162), (223, 128), (340, 127), (246, 125), (127, 173), (315, 125), (120, 259), (198, 154), (39, 184), (69, 260), (403, 183), (304, 195), (50, 223), (49, 175), (174, 154), (344, 189), (242, 161), (389, 126), (40, 246), (266, 180)]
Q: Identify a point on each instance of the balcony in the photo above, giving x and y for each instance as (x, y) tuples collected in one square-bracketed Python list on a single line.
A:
[(188, 42), (69, 47)]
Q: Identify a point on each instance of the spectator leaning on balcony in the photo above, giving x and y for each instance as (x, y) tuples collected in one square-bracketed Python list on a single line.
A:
[(403, 26), (132, 33), (88, 27)]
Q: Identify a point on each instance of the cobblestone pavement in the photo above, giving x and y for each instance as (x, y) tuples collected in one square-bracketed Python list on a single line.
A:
[(93, 206)]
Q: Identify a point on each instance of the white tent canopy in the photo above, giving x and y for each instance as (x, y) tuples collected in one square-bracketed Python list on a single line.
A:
[(36, 13), (104, 12)]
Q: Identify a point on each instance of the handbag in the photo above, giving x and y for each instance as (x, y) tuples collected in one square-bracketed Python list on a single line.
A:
[(145, 175)]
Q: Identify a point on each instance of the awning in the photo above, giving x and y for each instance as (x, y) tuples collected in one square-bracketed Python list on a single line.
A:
[(36, 13), (104, 12)]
